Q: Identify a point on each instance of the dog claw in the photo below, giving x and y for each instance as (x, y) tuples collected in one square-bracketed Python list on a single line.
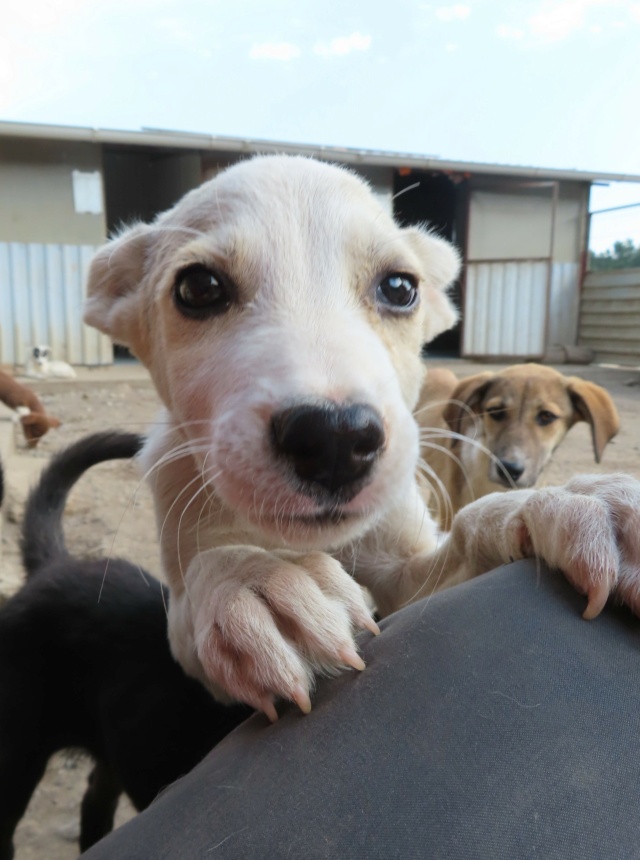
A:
[(301, 697), (597, 597), (268, 709), (371, 625), (350, 657)]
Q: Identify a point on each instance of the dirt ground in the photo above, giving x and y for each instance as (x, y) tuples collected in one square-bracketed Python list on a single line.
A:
[(109, 513)]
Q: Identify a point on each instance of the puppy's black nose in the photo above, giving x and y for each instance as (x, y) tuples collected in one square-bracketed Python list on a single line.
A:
[(513, 470), (328, 445)]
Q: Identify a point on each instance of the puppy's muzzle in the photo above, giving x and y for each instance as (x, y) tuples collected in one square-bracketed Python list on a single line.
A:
[(331, 448)]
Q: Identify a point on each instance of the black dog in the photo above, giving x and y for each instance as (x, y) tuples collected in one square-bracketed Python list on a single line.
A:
[(85, 663)]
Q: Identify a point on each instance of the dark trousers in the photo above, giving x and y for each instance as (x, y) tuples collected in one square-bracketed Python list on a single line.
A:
[(491, 722)]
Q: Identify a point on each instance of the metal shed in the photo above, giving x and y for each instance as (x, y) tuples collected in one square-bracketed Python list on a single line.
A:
[(522, 230), (524, 253)]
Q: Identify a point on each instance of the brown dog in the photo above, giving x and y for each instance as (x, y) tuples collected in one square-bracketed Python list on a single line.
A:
[(506, 424), (28, 408)]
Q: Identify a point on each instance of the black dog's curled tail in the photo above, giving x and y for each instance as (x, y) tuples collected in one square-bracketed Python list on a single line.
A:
[(42, 539)]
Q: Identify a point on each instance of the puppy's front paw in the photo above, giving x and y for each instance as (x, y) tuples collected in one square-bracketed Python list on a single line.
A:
[(265, 623), (589, 529)]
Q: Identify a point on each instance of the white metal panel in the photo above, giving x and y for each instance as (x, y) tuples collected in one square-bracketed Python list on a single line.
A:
[(495, 304), (564, 304), (518, 226), (506, 308), (510, 312), (7, 315), (509, 226), (55, 292), (42, 290), (37, 294)]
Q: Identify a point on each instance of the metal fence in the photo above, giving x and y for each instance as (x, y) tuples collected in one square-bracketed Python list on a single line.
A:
[(42, 289), (610, 315)]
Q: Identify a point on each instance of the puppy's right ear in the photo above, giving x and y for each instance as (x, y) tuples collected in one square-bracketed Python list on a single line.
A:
[(441, 262), (465, 400), (114, 297)]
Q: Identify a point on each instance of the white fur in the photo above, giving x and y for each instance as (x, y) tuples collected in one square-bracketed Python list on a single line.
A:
[(262, 595), (40, 365)]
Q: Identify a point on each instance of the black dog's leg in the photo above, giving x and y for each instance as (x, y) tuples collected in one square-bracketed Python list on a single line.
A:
[(20, 772), (99, 805)]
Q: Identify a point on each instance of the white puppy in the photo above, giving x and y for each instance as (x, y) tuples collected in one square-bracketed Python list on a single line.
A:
[(281, 312), (40, 365)]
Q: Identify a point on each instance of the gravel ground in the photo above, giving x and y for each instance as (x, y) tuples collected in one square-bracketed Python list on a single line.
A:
[(110, 513)]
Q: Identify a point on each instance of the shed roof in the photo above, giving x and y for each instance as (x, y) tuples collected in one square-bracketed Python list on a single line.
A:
[(150, 137)]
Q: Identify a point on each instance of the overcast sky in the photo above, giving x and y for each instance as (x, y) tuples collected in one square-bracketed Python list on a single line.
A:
[(533, 82)]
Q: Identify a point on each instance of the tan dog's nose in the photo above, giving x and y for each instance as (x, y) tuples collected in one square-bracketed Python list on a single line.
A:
[(512, 469), (329, 446)]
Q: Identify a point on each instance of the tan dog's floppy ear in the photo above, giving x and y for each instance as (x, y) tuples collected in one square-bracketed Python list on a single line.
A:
[(112, 288), (464, 399), (593, 404), (441, 265)]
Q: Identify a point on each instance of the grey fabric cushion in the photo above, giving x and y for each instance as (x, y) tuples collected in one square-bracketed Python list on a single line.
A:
[(491, 722)]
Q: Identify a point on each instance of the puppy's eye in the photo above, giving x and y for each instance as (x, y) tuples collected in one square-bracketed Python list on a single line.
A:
[(545, 417), (498, 413), (201, 293), (398, 291)]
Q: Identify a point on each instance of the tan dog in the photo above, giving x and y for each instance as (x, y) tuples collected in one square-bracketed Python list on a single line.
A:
[(281, 313), (28, 408), (507, 425)]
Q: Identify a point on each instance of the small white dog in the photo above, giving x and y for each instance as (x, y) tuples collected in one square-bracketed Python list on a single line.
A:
[(40, 365), (281, 313)]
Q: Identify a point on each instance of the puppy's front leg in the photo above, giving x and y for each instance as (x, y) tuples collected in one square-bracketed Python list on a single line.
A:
[(256, 624), (589, 529)]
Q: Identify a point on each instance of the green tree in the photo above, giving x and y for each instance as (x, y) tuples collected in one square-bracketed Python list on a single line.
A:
[(625, 255)]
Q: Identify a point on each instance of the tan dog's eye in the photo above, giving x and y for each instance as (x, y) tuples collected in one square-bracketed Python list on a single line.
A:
[(397, 292), (200, 293), (545, 417), (498, 413)]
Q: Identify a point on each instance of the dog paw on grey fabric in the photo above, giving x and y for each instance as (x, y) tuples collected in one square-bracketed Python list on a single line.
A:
[(268, 622), (589, 529)]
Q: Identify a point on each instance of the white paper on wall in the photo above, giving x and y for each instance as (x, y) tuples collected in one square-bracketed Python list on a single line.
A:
[(87, 192)]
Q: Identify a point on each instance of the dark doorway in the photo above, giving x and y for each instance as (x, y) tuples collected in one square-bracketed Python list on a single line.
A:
[(437, 200), (139, 184)]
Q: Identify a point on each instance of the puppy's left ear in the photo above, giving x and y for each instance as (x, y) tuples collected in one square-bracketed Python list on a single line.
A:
[(114, 294), (440, 267), (593, 404)]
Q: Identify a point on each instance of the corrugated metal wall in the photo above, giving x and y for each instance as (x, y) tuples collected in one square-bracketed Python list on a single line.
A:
[(506, 308), (610, 315), (41, 295), (564, 304)]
